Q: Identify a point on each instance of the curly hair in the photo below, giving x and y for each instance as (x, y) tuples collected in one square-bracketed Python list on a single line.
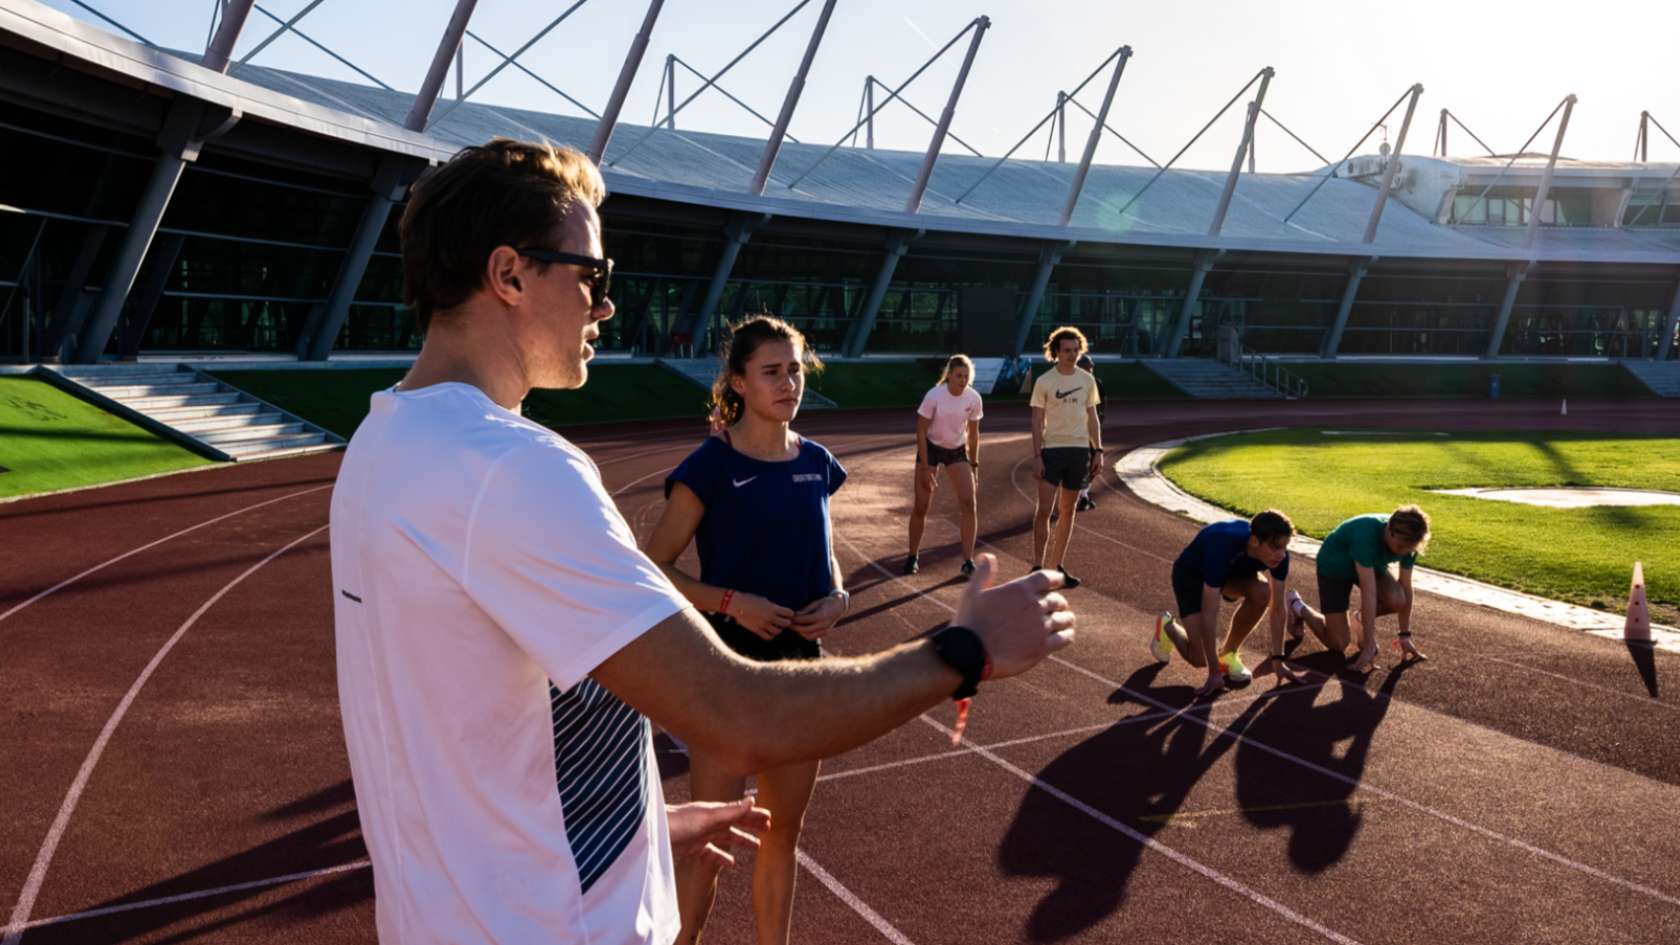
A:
[(1410, 524), (1066, 331)]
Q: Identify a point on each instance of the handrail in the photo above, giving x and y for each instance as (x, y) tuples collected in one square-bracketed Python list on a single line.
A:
[(1270, 373)]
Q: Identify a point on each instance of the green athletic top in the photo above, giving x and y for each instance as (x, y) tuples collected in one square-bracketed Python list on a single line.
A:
[(1358, 540)]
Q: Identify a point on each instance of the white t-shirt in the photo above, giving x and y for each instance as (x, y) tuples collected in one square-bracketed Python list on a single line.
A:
[(480, 573), (950, 415)]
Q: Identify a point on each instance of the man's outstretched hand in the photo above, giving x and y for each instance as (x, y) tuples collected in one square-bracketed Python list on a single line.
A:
[(1020, 622), (708, 830)]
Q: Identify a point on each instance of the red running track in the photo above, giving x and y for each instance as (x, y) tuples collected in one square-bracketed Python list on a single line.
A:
[(173, 759)]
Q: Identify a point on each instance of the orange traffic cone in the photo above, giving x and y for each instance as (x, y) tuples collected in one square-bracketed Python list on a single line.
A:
[(1638, 626)]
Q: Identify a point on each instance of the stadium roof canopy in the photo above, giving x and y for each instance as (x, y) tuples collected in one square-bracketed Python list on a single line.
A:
[(1022, 198)]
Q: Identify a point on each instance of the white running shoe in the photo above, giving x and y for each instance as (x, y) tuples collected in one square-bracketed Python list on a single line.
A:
[(1161, 645), (1297, 624)]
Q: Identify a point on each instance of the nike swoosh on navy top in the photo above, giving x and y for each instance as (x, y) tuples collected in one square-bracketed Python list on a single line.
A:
[(741, 482), (1060, 395)]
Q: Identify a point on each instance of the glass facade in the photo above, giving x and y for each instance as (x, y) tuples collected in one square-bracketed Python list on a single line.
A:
[(249, 250)]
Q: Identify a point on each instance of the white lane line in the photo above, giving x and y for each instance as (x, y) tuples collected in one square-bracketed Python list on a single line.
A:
[(615, 492), (1013, 480), (1108, 821), (1159, 847), (1218, 729), (1388, 795), (858, 905), (1582, 682), (38, 873), (201, 894), (154, 544)]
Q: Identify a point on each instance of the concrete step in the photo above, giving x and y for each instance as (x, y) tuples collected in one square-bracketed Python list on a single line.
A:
[(237, 436), (229, 421), (1662, 377), (1204, 378), (272, 444), (173, 415), (126, 391), (148, 404)]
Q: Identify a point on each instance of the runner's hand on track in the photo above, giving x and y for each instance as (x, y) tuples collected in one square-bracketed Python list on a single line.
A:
[(818, 617), (704, 829), (1367, 660), (1215, 683), (1276, 666), (1409, 650), (759, 615), (1020, 622)]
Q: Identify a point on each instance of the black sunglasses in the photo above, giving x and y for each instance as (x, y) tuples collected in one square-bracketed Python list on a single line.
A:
[(599, 283)]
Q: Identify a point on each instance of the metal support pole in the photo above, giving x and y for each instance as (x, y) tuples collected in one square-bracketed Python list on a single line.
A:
[(1096, 137), (1669, 327), (183, 136), (316, 343), (1641, 153), (621, 91), (1049, 257), (1251, 150), (1393, 166), (429, 89), (736, 233), (915, 202), (1443, 132), (220, 51), (460, 72), (897, 245), (767, 160), (1236, 162), (869, 103), (1357, 269), (671, 92), (1546, 178), (1061, 127), (1515, 274), (1192, 297)]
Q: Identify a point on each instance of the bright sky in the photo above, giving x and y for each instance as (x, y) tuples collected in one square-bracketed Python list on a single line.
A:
[(1500, 68)]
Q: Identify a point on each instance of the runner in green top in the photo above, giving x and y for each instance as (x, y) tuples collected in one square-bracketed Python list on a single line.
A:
[(1358, 553)]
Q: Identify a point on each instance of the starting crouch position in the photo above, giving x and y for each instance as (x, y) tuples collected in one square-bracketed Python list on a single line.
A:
[(1358, 552), (1227, 560)]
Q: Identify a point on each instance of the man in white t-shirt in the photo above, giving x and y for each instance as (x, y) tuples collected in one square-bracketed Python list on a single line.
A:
[(502, 644), (1067, 444)]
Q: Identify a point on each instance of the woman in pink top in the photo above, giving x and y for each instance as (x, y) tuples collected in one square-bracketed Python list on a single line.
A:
[(948, 434)]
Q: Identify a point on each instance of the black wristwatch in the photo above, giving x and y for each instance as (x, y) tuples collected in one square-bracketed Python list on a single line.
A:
[(962, 650)]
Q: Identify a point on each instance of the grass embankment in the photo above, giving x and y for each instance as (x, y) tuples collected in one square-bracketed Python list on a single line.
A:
[(1352, 379), (51, 440), (1583, 556)]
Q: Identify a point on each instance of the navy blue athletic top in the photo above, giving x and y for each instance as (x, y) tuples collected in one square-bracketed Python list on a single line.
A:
[(765, 530), (1219, 553)]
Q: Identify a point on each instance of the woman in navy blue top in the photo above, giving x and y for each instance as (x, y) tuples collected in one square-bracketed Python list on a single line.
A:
[(754, 500)]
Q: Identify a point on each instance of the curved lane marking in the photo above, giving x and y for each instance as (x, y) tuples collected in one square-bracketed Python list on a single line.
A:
[(1217, 729), (65, 583), (38, 873)]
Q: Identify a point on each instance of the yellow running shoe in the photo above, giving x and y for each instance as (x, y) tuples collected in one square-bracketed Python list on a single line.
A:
[(1234, 669), (1161, 645)]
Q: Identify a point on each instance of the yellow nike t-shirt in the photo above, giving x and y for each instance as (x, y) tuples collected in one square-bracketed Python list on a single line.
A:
[(1064, 400)]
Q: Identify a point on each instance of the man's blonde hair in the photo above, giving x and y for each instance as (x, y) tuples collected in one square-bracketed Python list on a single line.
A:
[(1066, 331)]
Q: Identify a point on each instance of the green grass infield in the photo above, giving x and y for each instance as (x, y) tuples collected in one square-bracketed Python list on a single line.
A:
[(50, 440), (1583, 556)]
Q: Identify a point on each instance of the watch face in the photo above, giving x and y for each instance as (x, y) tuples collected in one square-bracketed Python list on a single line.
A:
[(961, 650)]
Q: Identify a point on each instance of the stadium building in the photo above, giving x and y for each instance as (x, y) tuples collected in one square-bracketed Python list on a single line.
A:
[(150, 206)]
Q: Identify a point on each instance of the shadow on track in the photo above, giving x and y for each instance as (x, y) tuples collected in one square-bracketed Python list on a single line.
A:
[(1142, 778)]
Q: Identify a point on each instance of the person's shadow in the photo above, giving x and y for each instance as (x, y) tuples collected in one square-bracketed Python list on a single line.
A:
[(1320, 810), (1138, 773)]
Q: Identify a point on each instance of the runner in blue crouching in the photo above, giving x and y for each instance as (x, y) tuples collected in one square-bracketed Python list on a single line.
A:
[(1229, 561)]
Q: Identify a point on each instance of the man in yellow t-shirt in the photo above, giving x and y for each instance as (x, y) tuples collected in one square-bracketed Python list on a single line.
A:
[(1067, 443)]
